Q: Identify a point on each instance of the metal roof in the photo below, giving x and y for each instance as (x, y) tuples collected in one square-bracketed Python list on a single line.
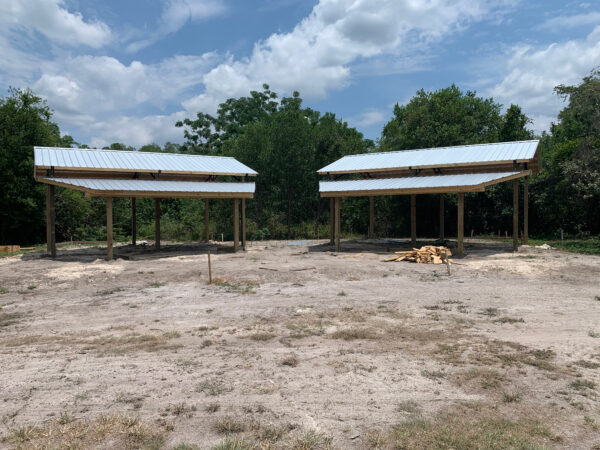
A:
[(128, 161), (520, 151), (471, 182), (126, 188)]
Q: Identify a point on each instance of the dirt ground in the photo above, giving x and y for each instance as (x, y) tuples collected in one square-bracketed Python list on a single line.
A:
[(296, 345)]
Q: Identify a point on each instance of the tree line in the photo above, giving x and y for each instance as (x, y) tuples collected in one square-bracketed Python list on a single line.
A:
[(287, 143)]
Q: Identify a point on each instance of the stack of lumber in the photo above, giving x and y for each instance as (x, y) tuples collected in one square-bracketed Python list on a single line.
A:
[(9, 248), (429, 254)]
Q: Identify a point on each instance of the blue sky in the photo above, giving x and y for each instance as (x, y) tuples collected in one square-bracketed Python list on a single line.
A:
[(127, 70)]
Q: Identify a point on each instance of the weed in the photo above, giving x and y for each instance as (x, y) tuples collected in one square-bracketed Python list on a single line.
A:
[(350, 334), (237, 443), (228, 425), (212, 407), (597, 298), (593, 334), (213, 387), (490, 312), (433, 374), (261, 336), (31, 287), (109, 291), (134, 400), (511, 397), (587, 364), (409, 406), (7, 319), (311, 440), (581, 385), (3, 291), (156, 284), (172, 334), (291, 360), (206, 343), (341, 294), (488, 378), (506, 319)]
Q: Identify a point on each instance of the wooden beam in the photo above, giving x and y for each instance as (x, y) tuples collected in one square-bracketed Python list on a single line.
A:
[(236, 224), (338, 228), (526, 211), (413, 219), (244, 224), (133, 220), (332, 221), (109, 228), (516, 215), (206, 221), (371, 217), (460, 249), (50, 221), (442, 216), (157, 223)]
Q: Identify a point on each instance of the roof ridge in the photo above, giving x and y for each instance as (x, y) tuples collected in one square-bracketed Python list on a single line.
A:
[(130, 151), (447, 146)]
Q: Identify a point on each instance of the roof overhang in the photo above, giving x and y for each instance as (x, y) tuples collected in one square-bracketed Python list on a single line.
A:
[(98, 187), (439, 184)]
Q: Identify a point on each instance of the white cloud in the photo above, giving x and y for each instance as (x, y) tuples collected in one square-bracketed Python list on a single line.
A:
[(368, 118), (316, 56), (578, 20), (51, 19), (534, 72), (175, 14)]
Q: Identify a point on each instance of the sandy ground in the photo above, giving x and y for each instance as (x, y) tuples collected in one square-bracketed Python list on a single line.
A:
[(299, 335)]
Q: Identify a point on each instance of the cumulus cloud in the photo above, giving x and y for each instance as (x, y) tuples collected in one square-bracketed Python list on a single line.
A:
[(315, 57), (51, 19), (367, 118), (532, 74), (175, 14), (574, 21)]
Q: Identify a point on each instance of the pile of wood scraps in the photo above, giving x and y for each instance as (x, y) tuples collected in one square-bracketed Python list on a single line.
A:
[(429, 254)]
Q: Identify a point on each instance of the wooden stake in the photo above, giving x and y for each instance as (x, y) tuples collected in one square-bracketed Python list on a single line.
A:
[(157, 223), (109, 228), (526, 211), (413, 219), (371, 217), (236, 224), (209, 269), (338, 228), (206, 221), (244, 224), (516, 215), (461, 224), (50, 222), (441, 216), (133, 221)]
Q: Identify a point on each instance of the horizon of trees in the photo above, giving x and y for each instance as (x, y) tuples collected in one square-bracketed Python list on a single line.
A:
[(287, 142)]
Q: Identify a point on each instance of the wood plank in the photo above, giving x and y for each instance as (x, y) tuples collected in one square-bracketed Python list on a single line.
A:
[(244, 224), (338, 228), (50, 222), (157, 223), (206, 221), (236, 224), (526, 211), (461, 224), (371, 217), (515, 215), (107, 171), (109, 228), (442, 216), (133, 221), (413, 219)]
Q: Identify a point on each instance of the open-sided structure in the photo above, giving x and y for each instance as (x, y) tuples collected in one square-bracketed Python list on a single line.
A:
[(445, 170), (113, 173)]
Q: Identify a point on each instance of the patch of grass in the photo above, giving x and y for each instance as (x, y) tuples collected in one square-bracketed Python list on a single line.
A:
[(212, 407), (511, 397), (229, 425), (587, 364), (261, 336), (490, 312), (311, 440), (291, 360), (132, 399), (540, 359), (527, 256), (593, 334), (433, 374), (242, 288), (213, 387), (104, 432), (31, 287), (235, 443), (3, 291), (456, 432), (341, 294), (132, 342), (306, 327), (106, 292), (350, 334), (586, 246), (172, 334), (156, 284), (511, 320), (180, 409), (409, 406), (581, 385), (597, 298), (488, 378), (7, 319)]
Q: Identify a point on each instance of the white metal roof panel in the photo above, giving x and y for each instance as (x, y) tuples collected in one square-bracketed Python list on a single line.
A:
[(520, 151), (105, 160), (437, 182), (106, 185)]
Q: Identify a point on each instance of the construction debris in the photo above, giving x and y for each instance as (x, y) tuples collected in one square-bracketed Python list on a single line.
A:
[(429, 254), (9, 248)]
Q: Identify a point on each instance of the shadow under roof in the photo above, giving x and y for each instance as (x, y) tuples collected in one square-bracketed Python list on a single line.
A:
[(95, 160), (457, 156)]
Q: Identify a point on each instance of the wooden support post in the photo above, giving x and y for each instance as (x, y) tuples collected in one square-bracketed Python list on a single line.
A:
[(206, 222), (133, 221), (338, 228), (244, 224), (442, 216), (109, 228), (371, 217), (50, 221), (516, 215), (413, 219), (526, 211), (461, 224), (332, 221), (157, 223), (236, 224)]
